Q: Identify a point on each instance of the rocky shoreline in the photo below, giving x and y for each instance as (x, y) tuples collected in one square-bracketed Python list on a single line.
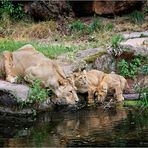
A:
[(12, 96)]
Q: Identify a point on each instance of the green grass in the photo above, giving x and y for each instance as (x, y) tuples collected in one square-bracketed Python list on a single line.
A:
[(50, 51), (132, 103)]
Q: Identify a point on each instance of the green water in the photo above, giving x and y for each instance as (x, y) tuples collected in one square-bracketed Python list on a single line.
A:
[(87, 127)]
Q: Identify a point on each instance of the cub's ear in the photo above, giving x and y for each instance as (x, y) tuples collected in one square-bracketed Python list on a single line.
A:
[(84, 72), (75, 75)]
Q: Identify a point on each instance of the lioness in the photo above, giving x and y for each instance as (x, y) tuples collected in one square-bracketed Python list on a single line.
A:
[(111, 82), (31, 64), (87, 82)]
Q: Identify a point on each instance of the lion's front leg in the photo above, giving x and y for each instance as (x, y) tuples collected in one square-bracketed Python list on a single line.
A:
[(90, 96), (10, 75), (119, 94)]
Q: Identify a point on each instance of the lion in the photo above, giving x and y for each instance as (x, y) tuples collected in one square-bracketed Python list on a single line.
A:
[(111, 82), (87, 82), (31, 64)]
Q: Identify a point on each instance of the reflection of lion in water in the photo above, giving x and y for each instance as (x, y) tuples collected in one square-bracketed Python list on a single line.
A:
[(31, 64), (87, 82), (111, 82)]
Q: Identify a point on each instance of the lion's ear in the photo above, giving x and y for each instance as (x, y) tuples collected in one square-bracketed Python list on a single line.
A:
[(61, 82)]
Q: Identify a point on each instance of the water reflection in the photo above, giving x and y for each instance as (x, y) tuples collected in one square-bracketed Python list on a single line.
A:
[(88, 127)]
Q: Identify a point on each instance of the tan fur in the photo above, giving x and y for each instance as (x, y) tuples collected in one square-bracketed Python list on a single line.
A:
[(111, 82), (87, 82), (31, 64)]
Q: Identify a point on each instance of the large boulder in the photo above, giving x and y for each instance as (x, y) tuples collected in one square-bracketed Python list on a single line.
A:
[(47, 9), (115, 7), (13, 96), (104, 7)]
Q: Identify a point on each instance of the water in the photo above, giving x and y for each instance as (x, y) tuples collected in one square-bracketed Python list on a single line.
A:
[(87, 127)]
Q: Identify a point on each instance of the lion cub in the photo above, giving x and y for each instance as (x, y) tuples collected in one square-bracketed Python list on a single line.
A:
[(111, 82), (87, 82)]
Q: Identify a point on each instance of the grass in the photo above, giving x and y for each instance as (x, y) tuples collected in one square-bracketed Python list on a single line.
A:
[(132, 103), (50, 51)]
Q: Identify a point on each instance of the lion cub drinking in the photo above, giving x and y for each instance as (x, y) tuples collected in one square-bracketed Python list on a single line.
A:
[(111, 82), (87, 82)]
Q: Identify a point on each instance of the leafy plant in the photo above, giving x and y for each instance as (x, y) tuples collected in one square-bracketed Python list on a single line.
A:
[(14, 11), (137, 17), (144, 69), (129, 69), (38, 94)]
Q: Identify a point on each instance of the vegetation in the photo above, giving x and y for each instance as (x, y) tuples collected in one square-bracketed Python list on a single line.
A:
[(38, 94), (95, 26), (48, 50), (8, 9), (115, 47), (137, 17), (129, 69)]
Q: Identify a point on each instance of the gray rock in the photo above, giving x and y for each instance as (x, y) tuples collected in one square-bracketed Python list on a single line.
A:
[(105, 63), (81, 60), (83, 54), (139, 46), (21, 92), (135, 35)]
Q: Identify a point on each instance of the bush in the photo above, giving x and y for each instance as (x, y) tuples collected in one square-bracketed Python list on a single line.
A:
[(129, 69), (14, 11)]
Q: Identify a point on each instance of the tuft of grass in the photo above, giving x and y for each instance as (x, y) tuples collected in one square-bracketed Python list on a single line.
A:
[(137, 17)]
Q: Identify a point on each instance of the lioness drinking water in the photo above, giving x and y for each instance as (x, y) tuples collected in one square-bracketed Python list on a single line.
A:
[(31, 64)]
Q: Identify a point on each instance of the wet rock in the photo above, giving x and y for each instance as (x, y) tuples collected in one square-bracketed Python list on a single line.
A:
[(139, 46), (105, 63), (16, 112)]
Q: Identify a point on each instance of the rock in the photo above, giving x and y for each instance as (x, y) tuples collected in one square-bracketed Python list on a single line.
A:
[(82, 60), (131, 96), (139, 46), (104, 7), (46, 10), (135, 35), (12, 96), (20, 112), (115, 7), (21, 92), (105, 63)]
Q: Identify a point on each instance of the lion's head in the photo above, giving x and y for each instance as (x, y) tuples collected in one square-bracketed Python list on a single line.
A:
[(67, 93)]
